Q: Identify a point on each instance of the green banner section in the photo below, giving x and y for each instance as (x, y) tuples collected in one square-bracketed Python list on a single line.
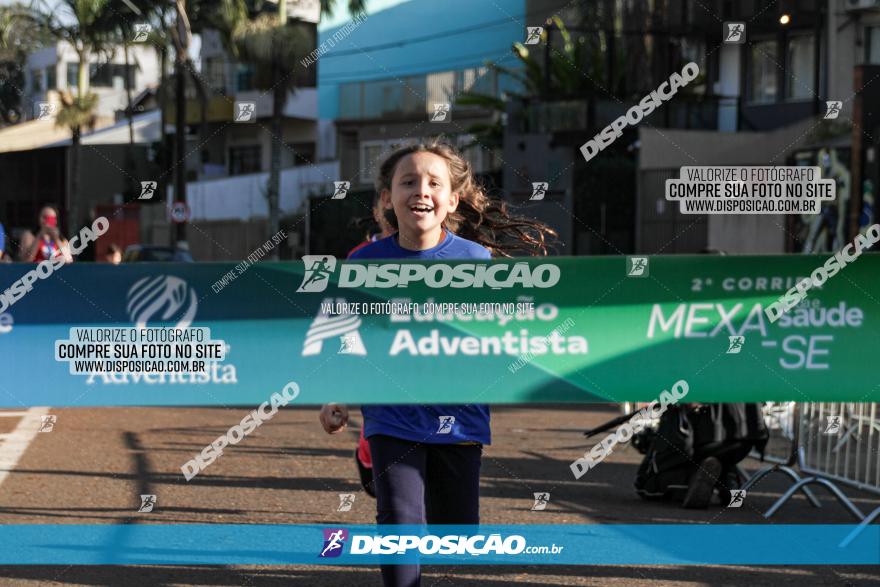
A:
[(584, 329)]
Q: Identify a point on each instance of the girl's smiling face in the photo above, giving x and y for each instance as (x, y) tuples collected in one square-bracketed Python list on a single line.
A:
[(421, 197)]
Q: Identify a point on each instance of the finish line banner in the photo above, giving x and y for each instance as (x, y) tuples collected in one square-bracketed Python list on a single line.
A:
[(562, 329)]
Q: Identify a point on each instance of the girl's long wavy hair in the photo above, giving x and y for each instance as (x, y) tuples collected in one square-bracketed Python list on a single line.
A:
[(478, 217)]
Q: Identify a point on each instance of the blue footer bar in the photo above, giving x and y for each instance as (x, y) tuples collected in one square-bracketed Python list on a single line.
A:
[(244, 544)]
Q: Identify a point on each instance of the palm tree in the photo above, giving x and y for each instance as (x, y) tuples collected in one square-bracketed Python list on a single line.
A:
[(195, 16), (276, 46), (21, 32), (85, 30), (569, 75)]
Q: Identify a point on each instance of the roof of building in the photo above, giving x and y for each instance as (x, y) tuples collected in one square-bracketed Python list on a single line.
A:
[(38, 134)]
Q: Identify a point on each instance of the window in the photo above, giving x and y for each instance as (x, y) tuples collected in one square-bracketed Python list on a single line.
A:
[(299, 154), (475, 155), (799, 67), (51, 82), (764, 72), (872, 45), (244, 160), (244, 77), (72, 69), (371, 159), (37, 80), (373, 153), (102, 75), (215, 74)]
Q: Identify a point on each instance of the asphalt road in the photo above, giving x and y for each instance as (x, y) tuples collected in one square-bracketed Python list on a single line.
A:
[(94, 464)]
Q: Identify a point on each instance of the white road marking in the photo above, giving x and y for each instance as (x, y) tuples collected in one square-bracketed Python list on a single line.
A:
[(13, 444)]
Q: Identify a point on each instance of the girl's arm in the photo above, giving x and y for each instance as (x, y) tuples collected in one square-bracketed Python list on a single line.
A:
[(64, 247), (334, 417), (29, 246)]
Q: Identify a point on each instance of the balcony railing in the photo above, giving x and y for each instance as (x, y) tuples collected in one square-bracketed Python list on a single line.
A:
[(412, 95)]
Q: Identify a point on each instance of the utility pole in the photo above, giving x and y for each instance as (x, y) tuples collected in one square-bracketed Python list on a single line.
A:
[(182, 36)]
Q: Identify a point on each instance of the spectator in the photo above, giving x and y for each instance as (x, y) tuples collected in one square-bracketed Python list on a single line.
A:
[(113, 255), (48, 241)]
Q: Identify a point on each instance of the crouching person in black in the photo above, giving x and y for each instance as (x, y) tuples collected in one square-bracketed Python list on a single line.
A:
[(695, 451)]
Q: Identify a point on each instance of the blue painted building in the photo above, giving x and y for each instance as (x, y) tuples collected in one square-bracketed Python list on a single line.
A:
[(378, 79)]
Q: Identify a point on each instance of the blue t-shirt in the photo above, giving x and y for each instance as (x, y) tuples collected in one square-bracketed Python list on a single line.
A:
[(433, 424)]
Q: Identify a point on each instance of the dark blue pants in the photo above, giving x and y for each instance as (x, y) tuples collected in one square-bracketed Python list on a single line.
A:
[(423, 483)]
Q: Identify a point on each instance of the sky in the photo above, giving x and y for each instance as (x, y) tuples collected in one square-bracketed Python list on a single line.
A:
[(340, 16)]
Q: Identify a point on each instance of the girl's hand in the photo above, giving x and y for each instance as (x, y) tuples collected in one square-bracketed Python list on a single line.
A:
[(334, 417)]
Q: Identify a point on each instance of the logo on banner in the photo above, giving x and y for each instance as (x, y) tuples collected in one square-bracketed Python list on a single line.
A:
[(334, 540), (327, 325), (349, 345), (162, 298), (637, 267), (318, 269), (735, 344)]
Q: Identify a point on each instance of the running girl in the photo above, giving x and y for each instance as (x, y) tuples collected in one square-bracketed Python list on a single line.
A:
[(426, 459)]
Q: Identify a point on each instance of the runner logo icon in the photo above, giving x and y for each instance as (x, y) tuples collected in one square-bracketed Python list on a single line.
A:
[(318, 269), (833, 426), (147, 503), (736, 498), (736, 344), (334, 540), (446, 423), (637, 266), (346, 500), (542, 498)]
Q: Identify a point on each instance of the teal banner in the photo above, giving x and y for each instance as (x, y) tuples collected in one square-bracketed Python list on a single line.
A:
[(499, 544), (585, 329)]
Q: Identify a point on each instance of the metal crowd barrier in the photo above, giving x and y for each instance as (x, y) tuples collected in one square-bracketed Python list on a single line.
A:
[(827, 444), (831, 444)]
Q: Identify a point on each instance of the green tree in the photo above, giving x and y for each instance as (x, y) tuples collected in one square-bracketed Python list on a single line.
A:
[(572, 72), (21, 32), (275, 46), (83, 25)]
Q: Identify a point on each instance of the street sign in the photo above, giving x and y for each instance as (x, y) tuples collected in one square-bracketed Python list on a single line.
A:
[(179, 212)]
